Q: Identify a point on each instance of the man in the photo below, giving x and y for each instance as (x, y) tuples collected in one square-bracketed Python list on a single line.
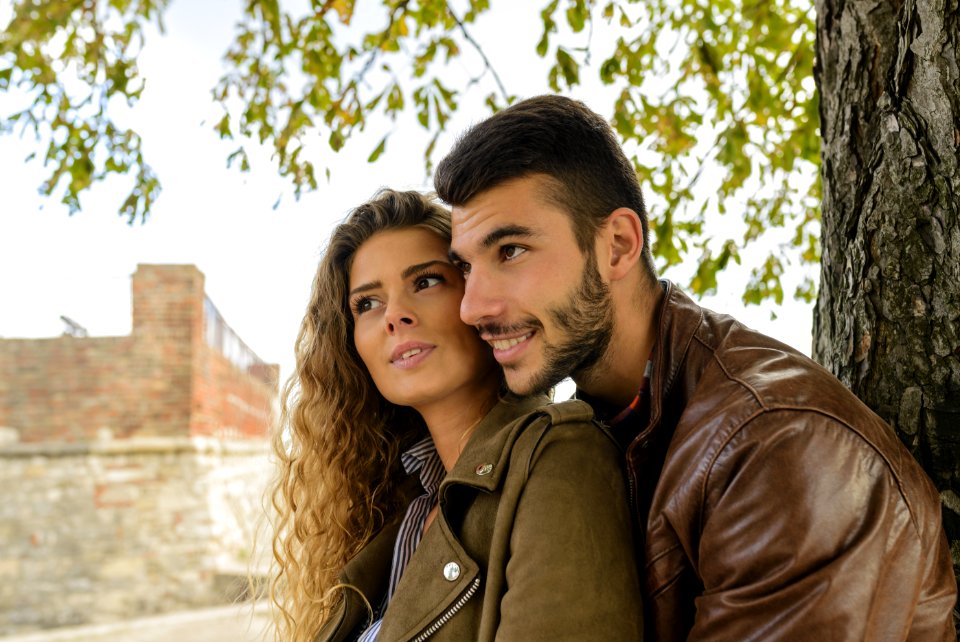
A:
[(775, 505)]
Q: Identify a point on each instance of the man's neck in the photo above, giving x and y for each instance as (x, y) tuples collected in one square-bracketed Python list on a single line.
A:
[(616, 378)]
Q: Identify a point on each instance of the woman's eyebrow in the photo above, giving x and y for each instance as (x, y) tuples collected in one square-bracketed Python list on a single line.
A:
[(372, 285), (407, 272), (419, 267)]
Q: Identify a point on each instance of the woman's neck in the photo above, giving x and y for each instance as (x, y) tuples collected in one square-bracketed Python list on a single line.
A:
[(452, 421)]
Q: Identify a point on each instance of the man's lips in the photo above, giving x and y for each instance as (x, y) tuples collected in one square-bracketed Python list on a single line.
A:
[(505, 343), (507, 348)]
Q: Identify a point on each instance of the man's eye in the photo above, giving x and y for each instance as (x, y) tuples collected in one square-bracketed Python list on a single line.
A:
[(463, 267), (511, 252)]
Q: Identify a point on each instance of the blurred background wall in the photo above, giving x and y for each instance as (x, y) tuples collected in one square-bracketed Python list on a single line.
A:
[(133, 467)]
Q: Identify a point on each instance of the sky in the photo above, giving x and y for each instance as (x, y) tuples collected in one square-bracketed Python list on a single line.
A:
[(258, 260)]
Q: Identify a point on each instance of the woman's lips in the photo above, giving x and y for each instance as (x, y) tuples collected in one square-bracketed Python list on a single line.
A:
[(409, 355)]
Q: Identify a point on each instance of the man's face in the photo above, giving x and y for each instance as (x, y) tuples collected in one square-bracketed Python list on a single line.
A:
[(530, 291)]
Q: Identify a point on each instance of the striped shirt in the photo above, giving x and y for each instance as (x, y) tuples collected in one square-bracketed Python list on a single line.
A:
[(421, 457)]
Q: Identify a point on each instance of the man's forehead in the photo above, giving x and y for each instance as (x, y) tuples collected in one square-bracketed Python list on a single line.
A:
[(514, 203), (476, 231), (468, 223)]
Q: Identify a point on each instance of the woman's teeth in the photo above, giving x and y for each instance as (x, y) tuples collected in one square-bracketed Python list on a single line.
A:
[(410, 353)]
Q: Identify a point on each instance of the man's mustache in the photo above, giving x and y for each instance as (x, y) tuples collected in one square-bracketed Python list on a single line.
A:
[(497, 329)]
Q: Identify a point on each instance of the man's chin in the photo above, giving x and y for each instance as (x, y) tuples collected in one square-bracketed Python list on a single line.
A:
[(518, 386), (526, 384)]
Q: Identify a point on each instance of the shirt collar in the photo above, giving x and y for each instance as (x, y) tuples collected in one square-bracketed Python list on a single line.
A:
[(422, 457)]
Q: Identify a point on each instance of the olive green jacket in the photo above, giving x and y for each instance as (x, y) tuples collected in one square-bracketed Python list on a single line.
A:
[(533, 541)]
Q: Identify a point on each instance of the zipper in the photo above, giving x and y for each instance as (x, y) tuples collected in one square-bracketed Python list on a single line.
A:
[(433, 628), (631, 485)]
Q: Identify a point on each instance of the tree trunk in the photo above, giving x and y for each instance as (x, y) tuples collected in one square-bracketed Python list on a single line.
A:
[(887, 320)]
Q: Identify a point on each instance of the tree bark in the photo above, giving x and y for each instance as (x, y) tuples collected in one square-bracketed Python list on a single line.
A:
[(887, 320)]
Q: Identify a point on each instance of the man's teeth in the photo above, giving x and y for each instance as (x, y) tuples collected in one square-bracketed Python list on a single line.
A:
[(503, 344), (410, 353)]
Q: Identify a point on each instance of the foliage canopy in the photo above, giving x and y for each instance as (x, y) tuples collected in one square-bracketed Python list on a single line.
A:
[(739, 104)]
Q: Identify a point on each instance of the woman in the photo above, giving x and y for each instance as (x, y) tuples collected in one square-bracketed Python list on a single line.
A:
[(414, 500)]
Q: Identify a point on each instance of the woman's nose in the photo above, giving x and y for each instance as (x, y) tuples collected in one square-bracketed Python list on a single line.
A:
[(398, 315)]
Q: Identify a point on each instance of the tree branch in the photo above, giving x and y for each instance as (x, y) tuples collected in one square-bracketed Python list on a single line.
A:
[(483, 56)]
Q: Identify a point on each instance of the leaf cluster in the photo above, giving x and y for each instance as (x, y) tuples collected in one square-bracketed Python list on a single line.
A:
[(720, 89), (294, 75), (739, 104), (73, 59)]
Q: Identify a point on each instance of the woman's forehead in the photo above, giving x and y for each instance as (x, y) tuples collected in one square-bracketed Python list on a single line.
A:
[(390, 252)]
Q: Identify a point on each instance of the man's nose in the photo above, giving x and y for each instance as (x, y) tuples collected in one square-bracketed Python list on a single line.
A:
[(482, 299)]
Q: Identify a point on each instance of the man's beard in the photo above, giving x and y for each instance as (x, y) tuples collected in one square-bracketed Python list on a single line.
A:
[(586, 321)]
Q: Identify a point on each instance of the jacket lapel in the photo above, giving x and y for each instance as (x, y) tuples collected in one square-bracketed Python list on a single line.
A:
[(439, 572)]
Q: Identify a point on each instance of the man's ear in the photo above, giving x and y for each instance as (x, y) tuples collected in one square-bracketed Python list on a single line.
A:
[(622, 238)]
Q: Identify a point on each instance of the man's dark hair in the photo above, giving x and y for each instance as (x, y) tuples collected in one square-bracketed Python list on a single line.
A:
[(588, 175)]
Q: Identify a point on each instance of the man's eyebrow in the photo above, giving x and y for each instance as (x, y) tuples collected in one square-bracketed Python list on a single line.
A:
[(494, 237), (503, 232)]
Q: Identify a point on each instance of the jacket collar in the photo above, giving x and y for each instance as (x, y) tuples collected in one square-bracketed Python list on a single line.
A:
[(680, 317), (369, 571), (484, 460), (481, 465)]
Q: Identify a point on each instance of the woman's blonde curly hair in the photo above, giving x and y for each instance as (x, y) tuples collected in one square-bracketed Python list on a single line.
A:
[(338, 441)]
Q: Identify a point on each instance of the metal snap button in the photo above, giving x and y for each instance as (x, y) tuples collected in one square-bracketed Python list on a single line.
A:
[(451, 571), (484, 469)]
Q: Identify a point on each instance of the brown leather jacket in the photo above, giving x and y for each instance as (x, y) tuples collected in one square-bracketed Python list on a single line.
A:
[(533, 541), (777, 505)]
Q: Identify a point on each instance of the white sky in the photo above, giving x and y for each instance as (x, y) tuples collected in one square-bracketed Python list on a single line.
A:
[(258, 261)]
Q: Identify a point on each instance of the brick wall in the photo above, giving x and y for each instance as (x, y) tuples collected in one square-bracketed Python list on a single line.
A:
[(68, 389), (163, 380)]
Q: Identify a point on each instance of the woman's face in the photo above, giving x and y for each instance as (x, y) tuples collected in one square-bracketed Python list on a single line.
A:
[(405, 301)]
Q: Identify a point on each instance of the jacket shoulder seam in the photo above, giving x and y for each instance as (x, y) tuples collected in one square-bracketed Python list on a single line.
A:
[(732, 377), (725, 444)]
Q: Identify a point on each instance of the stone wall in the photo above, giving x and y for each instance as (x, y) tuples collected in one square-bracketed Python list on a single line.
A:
[(103, 531)]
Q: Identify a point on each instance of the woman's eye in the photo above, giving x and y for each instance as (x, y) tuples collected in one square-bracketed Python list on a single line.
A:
[(424, 282), (365, 305), (511, 252)]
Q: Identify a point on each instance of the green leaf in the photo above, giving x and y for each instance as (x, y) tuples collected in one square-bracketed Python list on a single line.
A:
[(223, 127), (568, 67), (549, 27), (609, 69), (375, 154), (577, 15)]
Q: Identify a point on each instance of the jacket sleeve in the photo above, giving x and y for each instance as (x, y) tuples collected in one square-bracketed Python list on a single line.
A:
[(809, 533), (572, 572)]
